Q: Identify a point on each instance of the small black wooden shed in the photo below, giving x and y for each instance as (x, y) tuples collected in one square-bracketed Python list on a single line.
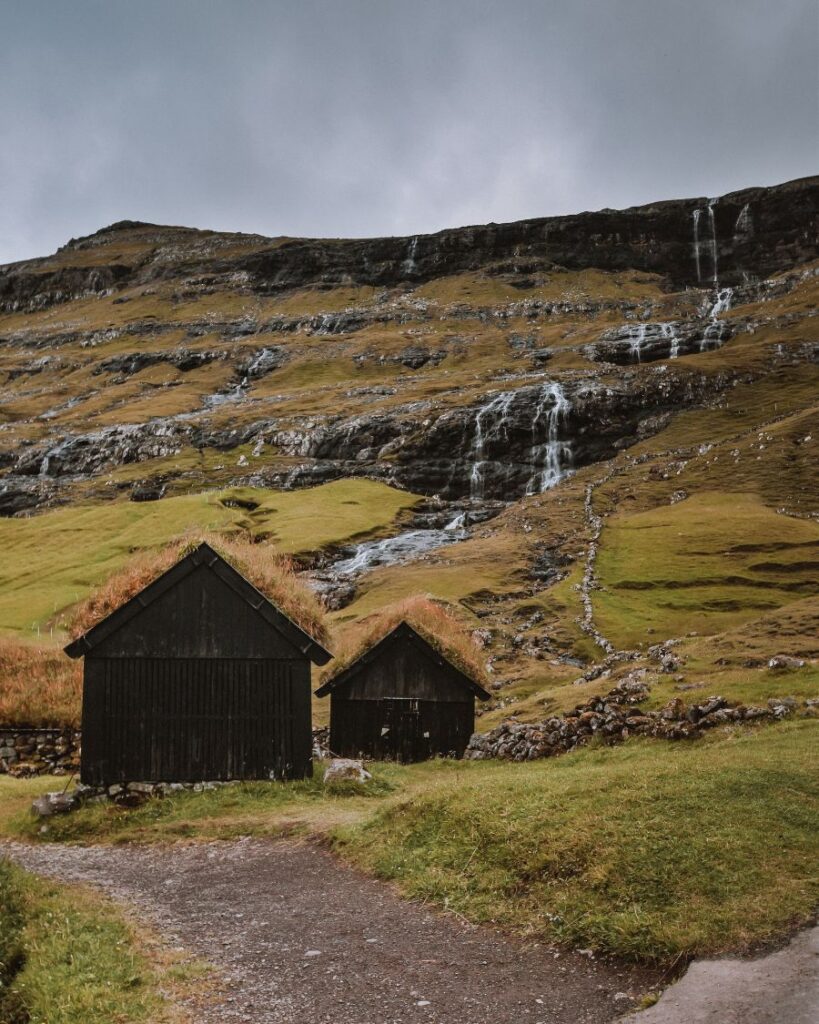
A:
[(198, 677), (401, 700)]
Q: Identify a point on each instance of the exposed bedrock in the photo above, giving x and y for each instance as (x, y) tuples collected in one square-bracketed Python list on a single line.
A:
[(513, 442), (650, 342), (750, 234), (755, 232)]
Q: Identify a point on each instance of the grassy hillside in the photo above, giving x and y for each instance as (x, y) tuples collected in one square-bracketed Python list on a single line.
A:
[(53, 560)]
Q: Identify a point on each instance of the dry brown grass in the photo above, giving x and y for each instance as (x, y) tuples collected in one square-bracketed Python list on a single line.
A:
[(267, 569), (39, 686), (435, 623)]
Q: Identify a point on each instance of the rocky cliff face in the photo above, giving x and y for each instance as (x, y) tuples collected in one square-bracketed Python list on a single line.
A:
[(751, 234), (484, 363)]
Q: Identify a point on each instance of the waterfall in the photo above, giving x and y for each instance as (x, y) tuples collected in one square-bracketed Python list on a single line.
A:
[(458, 523), (712, 221), (408, 266), (669, 331), (552, 458), (744, 225), (549, 458), (642, 335), (637, 341), (696, 217), (495, 412), (723, 302)]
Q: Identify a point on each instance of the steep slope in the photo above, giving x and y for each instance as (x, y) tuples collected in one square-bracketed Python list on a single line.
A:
[(612, 413)]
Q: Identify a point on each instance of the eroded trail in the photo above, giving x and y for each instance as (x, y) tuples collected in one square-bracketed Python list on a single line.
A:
[(297, 936)]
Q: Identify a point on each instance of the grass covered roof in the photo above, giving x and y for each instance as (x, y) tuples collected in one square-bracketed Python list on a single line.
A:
[(436, 624), (267, 569)]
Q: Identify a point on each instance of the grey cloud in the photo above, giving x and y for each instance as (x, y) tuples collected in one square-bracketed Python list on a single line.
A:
[(360, 117)]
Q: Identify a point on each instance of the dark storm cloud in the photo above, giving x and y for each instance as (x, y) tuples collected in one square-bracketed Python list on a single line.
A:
[(357, 117)]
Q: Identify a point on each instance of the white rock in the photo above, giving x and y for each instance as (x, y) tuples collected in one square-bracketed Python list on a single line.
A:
[(343, 768)]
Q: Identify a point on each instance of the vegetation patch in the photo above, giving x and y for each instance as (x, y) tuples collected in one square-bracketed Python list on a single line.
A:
[(39, 686), (68, 956), (699, 565), (52, 560), (650, 850), (226, 812)]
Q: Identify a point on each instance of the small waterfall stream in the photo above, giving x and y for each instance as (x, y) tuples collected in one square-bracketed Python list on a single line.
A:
[(490, 422), (408, 266), (549, 457)]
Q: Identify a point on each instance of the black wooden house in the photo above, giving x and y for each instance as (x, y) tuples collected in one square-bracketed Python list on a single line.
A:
[(198, 677), (401, 700)]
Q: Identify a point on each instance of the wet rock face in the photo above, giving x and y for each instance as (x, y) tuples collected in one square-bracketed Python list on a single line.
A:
[(755, 232), (87, 454), (651, 342)]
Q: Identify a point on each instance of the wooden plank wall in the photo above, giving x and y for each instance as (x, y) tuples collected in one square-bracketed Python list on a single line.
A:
[(195, 719)]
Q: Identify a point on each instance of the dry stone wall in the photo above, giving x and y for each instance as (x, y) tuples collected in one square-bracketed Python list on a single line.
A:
[(26, 751)]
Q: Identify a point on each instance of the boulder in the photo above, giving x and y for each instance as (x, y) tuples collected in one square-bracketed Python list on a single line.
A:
[(785, 663), (54, 803), (343, 769)]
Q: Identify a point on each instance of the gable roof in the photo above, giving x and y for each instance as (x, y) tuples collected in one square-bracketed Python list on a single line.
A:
[(203, 555), (403, 631)]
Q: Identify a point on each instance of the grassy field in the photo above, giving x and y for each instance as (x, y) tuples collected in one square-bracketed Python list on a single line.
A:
[(52, 560), (67, 955), (704, 564)]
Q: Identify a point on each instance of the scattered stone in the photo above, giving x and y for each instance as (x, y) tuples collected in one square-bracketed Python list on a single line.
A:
[(613, 718)]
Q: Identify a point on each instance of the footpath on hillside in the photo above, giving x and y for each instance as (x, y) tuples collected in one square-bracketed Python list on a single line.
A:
[(296, 936)]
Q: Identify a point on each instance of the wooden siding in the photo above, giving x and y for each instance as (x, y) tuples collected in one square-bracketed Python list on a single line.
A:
[(194, 719), (199, 617), (403, 669), (400, 729)]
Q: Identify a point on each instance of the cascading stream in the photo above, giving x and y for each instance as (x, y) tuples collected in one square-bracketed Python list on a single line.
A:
[(549, 457), (552, 458), (494, 413)]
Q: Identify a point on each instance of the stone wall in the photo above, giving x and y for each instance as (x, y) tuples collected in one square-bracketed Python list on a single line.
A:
[(26, 751)]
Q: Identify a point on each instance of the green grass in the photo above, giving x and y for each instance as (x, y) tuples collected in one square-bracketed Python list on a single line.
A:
[(54, 559), (650, 850), (68, 956), (703, 564), (251, 808)]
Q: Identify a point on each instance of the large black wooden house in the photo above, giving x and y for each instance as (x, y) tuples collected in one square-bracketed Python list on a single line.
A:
[(198, 677), (401, 700)]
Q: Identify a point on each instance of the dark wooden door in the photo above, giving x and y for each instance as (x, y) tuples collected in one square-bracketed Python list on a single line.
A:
[(402, 736)]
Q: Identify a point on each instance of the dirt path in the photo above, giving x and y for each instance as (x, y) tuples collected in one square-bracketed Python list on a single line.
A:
[(297, 936)]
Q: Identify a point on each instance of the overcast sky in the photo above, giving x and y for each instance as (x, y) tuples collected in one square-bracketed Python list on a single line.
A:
[(368, 117)]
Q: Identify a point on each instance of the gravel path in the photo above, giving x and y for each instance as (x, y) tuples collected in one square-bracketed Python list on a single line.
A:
[(297, 936)]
